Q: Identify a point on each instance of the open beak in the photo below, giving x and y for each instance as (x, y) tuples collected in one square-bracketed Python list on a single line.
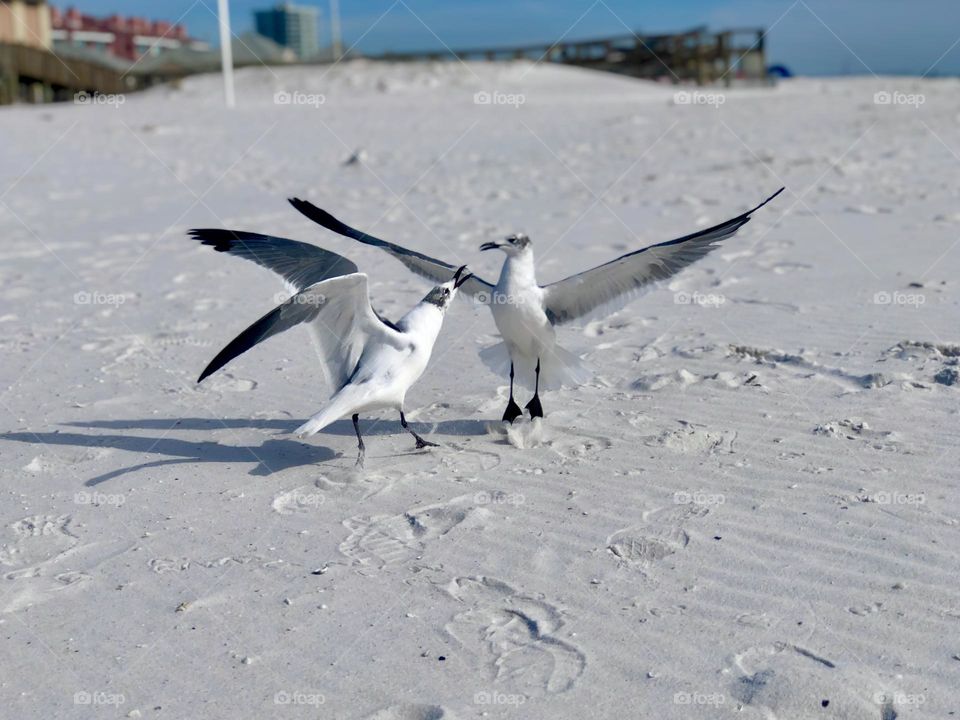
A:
[(459, 278), (490, 246)]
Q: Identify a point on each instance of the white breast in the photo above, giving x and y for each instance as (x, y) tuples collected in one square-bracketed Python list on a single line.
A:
[(517, 307)]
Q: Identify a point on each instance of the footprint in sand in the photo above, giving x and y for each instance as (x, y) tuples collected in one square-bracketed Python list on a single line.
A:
[(661, 534), (514, 636), (381, 540), (165, 565), (33, 587), (38, 542), (38, 539), (783, 680)]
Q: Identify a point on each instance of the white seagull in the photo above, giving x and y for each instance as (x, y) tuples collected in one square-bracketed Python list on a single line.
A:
[(526, 313), (369, 361)]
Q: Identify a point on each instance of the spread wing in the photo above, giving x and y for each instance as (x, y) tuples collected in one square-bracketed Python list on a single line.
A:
[(425, 266), (340, 318), (612, 285), (300, 264)]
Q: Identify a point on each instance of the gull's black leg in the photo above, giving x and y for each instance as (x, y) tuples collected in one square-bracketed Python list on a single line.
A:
[(513, 410), (421, 443), (361, 450), (534, 406)]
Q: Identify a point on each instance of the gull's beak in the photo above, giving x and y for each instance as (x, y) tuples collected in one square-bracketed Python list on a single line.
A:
[(459, 278), (490, 246)]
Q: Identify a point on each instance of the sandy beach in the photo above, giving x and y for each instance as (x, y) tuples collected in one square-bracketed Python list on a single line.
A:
[(749, 512)]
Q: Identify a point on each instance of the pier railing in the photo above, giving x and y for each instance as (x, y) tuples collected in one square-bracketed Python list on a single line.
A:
[(692, 56)]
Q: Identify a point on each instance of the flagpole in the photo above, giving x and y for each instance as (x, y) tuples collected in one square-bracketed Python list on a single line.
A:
[(226, 52), (337, 45)]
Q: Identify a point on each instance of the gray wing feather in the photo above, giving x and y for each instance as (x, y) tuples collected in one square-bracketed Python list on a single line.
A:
[(300, 264), (612, 285), (425, 266)]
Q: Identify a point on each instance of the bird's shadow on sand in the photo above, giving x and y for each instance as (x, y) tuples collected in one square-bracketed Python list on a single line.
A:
[(271, 455), (369, 428)]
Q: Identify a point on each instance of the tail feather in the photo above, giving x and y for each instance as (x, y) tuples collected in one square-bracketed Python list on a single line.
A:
[(336, 408), (558, 367), (315, 424)]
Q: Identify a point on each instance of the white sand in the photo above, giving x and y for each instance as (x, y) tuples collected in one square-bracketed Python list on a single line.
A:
[(751, 512)]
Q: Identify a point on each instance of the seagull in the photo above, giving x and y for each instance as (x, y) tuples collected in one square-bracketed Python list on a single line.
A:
[(370, 361), (526, 313)]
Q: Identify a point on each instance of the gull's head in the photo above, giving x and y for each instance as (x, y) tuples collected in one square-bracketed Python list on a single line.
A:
[(512, 245), (443, 295)]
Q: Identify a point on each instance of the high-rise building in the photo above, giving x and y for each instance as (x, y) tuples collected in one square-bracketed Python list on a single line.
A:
[(293, 26)]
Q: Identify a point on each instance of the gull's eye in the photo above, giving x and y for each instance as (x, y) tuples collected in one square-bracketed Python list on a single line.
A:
[(513, 240), (446, 291)]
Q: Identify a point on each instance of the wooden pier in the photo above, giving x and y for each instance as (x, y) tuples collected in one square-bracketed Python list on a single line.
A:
[(693, 56), (33, 74)]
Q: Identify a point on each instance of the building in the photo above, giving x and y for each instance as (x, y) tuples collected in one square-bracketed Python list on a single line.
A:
[(293, 26), (127, 38), (25, 22)]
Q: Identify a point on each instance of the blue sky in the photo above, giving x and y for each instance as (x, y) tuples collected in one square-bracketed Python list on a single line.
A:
[(812, 37)]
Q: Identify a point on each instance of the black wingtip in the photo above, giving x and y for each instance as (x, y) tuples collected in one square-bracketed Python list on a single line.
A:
[(302, 206), (220, 240), (769, 199), (319, 216), (747, 215), (326, 220), (222, 358)]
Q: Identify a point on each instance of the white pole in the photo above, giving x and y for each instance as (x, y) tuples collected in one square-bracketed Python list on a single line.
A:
[(336, 43), (226, 52)]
